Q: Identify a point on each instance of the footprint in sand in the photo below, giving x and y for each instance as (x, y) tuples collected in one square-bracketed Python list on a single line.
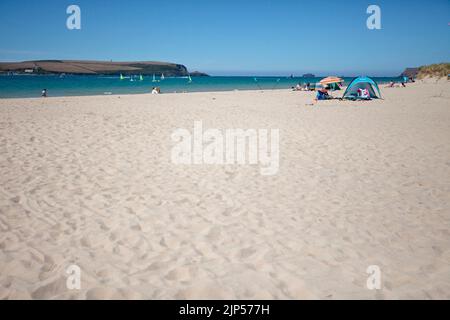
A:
[(51, 290)]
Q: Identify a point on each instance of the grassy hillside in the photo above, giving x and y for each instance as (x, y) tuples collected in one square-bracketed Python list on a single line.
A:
[(434, 71), (95, 67)]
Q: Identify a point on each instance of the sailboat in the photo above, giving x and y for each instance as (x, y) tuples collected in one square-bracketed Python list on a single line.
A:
[(162, 76), (154, 79), (141, 78), (190, 79), (122, 77)]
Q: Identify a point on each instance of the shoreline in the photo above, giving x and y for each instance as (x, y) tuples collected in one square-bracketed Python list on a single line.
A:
[(244, 83), (146, 94), (427, 81)]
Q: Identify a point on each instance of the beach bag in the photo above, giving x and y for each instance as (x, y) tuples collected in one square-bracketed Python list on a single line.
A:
[(363, 94), (321, 95)]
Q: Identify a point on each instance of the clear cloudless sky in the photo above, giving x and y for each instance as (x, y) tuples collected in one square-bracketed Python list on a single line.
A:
[(233, 37)]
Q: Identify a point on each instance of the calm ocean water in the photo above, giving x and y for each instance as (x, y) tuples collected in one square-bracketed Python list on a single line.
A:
[(26, 86)]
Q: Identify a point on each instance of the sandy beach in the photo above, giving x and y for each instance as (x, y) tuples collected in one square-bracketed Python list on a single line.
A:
[(89, 181)]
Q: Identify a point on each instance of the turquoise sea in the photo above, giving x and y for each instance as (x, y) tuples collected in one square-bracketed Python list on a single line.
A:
[(26, 86)]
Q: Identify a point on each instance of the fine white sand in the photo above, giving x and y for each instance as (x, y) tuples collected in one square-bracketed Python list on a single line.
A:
[(89, 181)]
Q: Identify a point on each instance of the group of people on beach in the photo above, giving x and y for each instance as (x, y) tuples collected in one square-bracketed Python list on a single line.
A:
[(302, 87), (403, 83), (322, 92)]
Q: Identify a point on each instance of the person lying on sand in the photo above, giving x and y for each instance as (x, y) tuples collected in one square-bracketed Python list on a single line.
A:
[(390, 85)]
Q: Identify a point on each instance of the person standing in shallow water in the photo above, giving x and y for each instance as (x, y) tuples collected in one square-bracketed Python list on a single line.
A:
[(44, 93)]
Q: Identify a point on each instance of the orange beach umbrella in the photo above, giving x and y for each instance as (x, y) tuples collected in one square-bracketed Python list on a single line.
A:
[(331, 80)]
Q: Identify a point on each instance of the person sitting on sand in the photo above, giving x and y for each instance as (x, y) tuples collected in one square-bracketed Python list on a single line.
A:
[(391, 84), (322, 94), (44, 93), (298, 87), (156, 90)]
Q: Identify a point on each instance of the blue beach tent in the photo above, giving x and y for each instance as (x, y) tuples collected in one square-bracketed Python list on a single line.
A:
[(362, 83)]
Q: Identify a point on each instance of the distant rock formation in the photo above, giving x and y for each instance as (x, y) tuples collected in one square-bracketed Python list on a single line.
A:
[(95, 67), (199, 74), (410, 73), (308, 75)]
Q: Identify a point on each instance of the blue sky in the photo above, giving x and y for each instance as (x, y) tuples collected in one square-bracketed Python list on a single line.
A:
[(233, 37)]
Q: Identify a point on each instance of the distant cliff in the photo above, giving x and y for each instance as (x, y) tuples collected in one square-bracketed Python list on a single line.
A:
[(199, 74), (95, 67), (410, 72)]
